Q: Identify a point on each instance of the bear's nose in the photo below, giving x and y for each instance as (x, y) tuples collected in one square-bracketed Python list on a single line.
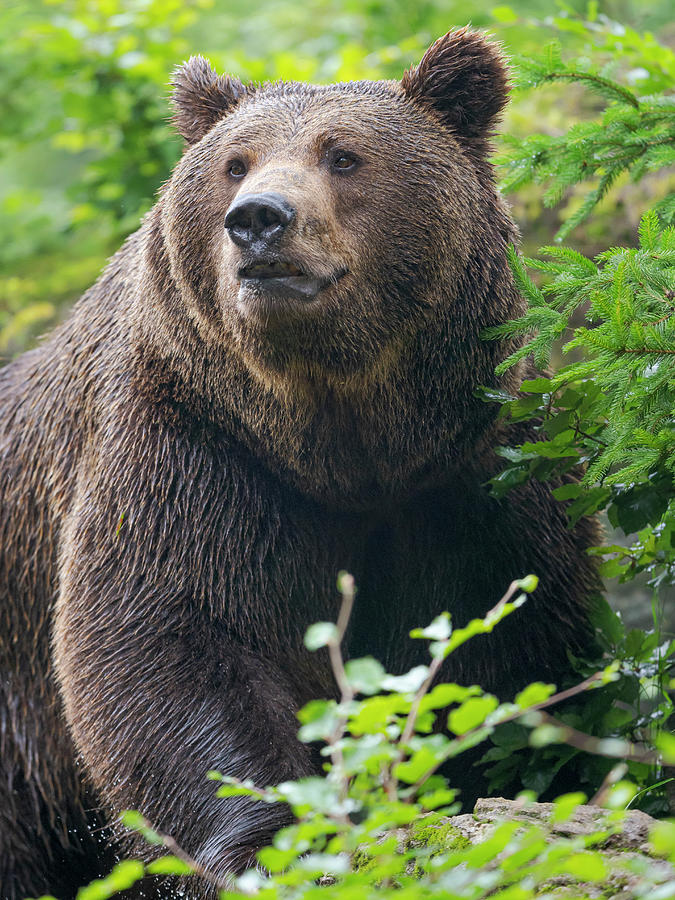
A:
[(258, 218)]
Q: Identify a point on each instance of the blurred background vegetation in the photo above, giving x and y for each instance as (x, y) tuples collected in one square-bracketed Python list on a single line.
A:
[(86, 139)]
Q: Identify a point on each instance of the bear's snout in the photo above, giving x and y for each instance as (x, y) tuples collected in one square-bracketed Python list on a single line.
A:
[(257, 221)]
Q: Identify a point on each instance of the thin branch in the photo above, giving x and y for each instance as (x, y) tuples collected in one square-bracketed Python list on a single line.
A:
[(437, 663), (646, 352), (411, 719), (262, 793), (657, 322), (348, 591), (200, 870), (422, 690), (596, 79), (615, 774), (599, 746), (170, 844), (579, 433), (517, 714)]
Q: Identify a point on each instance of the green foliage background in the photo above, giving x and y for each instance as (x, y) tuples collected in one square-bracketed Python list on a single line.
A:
[(86, 141)]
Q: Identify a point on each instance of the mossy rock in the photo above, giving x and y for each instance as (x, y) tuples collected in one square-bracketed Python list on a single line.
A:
[(437, 833)]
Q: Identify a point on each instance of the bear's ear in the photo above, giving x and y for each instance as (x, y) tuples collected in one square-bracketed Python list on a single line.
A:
[(201, 97), (463, 78)]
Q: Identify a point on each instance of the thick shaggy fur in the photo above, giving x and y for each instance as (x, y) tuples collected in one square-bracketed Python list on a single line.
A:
[(184, 468)]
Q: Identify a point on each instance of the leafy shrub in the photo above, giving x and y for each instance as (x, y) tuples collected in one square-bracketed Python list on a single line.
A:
[(376, 822)]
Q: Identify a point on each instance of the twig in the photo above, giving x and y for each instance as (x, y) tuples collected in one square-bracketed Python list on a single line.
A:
[(177, 850), (263, 793), (591, 744), (615, 774), (579, 433), (555, 698), (646, 351), (348, 591), (596, 79), (438, 661), (422, 690)]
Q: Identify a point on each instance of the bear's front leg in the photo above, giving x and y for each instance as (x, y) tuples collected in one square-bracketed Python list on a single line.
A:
[(156, 693)]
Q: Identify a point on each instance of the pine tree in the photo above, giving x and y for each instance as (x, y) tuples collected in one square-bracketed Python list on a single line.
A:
[(613, 410)]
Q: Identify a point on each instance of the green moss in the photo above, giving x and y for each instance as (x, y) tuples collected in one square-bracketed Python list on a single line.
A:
[(362, 861), (431, 831)]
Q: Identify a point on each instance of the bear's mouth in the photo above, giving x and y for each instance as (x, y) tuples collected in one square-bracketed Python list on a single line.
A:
[(276, 280), (263, 270)]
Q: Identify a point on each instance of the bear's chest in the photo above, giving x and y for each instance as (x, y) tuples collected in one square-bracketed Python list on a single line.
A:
[(410, 562)]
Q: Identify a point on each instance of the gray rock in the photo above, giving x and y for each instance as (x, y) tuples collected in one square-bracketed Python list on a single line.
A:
[(625, 849)]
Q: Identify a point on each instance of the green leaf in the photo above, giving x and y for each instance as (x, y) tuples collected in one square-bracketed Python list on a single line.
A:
[(411, 682), (438, 797), (662, 840), (442, 695), (536, 386), (235, 790), (665, 742), (124, 875), (565, 806), (276, 860), (375, 713), (367, 753), (567, 491), (620, 795), (605, 620), (324, 864), (640, 506), (320, 719), (493, 395), (483, 626), (421, 762), (308, 793), (250, 883), (544, 735), (365, 676), (508, 479), (587, 503), (612, 568), (320, 635), (132, 819), (471, 713), (557, 449), (439, 630), (169, 865), (534, 693), (586, 865), (511, 736)]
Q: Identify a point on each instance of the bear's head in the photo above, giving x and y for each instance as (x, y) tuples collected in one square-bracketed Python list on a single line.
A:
[(319, 229)]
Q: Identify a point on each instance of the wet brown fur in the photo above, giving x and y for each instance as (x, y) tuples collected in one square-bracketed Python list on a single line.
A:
[(181, 481)]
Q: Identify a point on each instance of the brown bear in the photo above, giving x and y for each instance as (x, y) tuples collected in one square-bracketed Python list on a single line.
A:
[(274, 379)]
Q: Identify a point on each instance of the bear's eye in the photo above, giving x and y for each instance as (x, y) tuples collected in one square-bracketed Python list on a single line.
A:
[(342, 161), (236, 169)]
